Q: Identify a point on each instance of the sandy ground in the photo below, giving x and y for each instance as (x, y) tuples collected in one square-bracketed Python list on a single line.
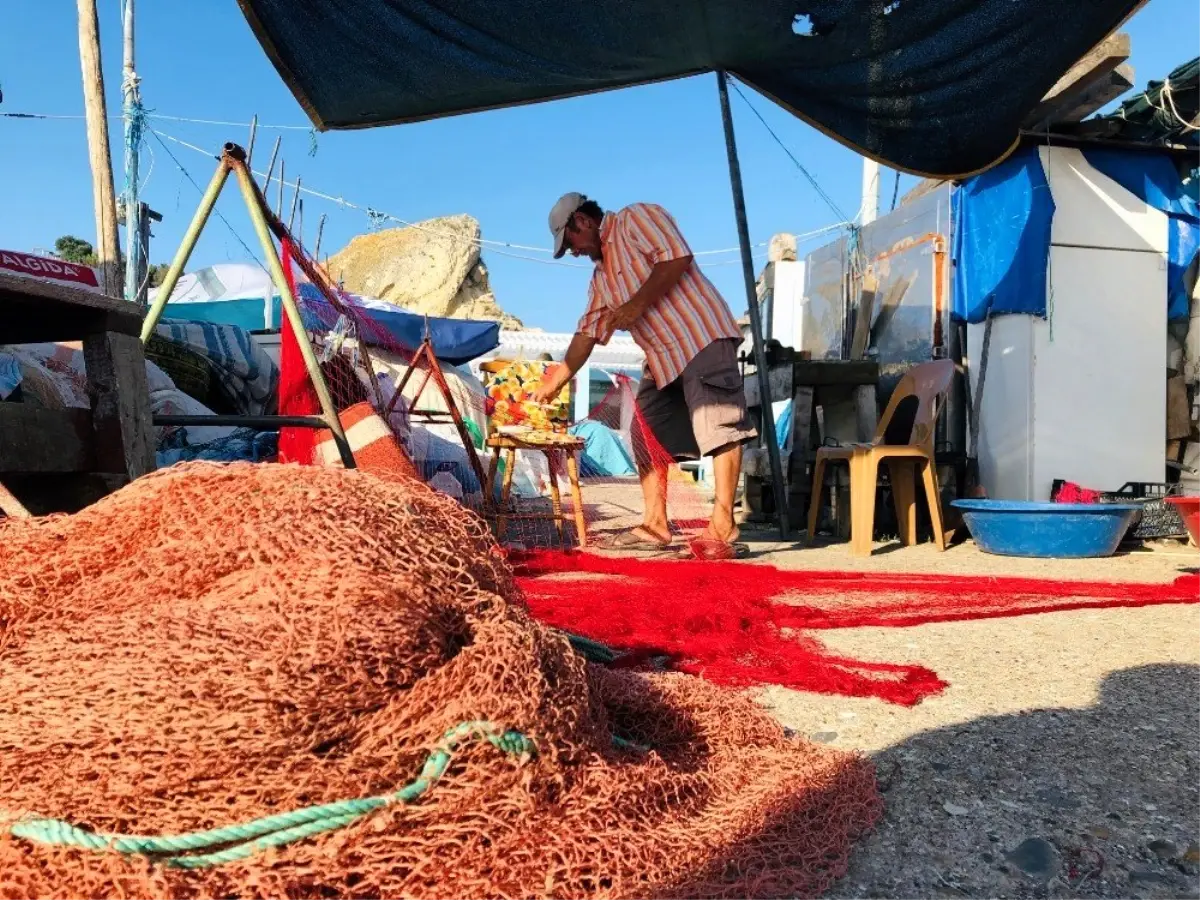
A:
[(1077, 731), (1062, 761)]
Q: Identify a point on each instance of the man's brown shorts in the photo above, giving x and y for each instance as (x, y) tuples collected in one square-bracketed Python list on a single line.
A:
[(704, 409)]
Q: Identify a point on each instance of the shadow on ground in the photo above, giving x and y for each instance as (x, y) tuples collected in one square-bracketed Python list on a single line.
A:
[(1108, 798)]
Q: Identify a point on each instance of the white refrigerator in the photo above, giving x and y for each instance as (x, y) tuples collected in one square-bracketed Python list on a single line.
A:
[(1081, 395)]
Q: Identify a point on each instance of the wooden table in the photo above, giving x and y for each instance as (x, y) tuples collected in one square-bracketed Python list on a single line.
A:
[(551, 444), (845, 390), (57, 454)]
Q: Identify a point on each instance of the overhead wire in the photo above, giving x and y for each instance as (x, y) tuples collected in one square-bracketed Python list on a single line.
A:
[(829, 201), (199, 189), (502, 248)]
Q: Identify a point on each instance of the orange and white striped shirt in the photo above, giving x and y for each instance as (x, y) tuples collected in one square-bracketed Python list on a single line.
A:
[(684, 321)]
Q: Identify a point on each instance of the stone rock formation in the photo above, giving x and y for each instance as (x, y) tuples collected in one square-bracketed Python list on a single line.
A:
[(431, 267)]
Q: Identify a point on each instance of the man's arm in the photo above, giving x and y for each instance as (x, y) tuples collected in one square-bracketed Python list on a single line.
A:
[(663, 277), (577, 354)]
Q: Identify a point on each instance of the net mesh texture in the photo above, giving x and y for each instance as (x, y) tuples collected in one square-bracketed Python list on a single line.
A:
[(215, 643)]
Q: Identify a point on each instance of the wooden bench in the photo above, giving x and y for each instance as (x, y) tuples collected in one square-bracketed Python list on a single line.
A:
[(62, 459)]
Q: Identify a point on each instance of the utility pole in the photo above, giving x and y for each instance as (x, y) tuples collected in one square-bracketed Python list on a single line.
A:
[(870, 191), (131, 100), (108, 246)]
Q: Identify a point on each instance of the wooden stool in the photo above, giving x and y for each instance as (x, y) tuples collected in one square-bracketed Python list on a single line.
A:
[(549, 443)]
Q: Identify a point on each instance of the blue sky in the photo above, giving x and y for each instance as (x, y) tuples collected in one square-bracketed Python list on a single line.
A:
[(660, 143)]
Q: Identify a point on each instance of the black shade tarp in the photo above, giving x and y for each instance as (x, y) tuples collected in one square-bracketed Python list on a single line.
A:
[(936, 87)]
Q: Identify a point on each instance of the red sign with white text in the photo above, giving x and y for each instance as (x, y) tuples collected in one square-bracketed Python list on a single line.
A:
[(44, 267)]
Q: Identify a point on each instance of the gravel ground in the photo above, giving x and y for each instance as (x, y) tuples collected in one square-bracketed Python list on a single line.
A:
[(1062, 761)]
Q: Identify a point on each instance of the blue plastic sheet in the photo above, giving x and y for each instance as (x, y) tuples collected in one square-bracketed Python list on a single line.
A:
[(1154, 180), (604, 456), (1001, 247)]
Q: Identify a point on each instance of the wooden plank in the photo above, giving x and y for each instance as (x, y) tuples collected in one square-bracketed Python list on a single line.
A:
[(866, 410), (1101, 93), (1179, 413), (825, 372), (921, 188), (780, 380), (34, 310), (37, 440), (116, 372), (801, 439), (1094, 66), (44, 494), (863, 315), (11, 506)]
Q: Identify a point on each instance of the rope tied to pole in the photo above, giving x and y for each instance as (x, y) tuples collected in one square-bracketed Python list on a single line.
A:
[(248, 838)]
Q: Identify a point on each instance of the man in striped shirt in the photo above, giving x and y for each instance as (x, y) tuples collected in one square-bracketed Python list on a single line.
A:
[(691, 397)]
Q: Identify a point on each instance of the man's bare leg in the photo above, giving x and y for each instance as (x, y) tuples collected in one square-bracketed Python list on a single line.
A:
[(727, 468), (654, 496)]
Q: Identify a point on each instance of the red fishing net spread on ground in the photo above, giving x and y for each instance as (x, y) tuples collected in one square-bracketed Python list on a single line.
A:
[(744, 625), (216, 643)]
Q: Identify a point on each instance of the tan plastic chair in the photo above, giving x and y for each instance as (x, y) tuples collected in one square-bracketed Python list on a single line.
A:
[(928, 383)]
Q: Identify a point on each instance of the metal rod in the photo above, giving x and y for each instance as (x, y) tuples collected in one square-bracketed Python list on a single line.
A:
[(282, 166), (268, 423), (253, 135), (271, 167), (184, 253), (320, 231), (295, 203), (756, 335), (255, 206)]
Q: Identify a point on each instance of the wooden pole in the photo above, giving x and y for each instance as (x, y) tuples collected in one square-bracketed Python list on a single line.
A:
[(108, 246)]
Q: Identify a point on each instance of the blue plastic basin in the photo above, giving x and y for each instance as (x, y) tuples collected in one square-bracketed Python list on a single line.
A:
[(1047, 530)]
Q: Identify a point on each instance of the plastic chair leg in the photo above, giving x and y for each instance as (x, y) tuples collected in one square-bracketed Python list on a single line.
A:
[(934, 498), (904, 496), (864, 473)]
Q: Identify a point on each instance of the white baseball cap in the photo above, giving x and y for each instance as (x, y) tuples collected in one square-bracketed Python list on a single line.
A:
[(560, 215)]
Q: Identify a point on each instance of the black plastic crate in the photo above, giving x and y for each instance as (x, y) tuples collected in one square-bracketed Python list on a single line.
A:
[(1158, 518)]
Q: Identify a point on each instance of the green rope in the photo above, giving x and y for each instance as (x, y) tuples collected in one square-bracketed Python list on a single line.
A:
[(592, 651), (241, 841)]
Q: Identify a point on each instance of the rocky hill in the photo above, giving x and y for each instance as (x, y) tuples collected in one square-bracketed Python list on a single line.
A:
[(431, 267)]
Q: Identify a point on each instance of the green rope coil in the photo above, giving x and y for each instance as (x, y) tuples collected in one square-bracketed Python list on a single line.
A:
[(249, 838)]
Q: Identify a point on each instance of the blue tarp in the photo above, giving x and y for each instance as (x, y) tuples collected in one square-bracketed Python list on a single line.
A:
[(1002, 240), (604, 456), (1154, 180), (455, 341)]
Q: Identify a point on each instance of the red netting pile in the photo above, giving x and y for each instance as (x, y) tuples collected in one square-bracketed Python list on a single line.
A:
[(216, 643), (744, 625)]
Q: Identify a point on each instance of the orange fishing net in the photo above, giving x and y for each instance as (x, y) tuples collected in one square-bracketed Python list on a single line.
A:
[(217, 643)]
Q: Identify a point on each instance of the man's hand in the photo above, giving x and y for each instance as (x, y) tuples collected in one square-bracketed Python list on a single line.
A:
[(546, 392), (552, 382), (621, 318)]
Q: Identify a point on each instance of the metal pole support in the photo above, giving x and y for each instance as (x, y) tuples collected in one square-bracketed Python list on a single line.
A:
[(756, 335), (184, 253), (235, 158)]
